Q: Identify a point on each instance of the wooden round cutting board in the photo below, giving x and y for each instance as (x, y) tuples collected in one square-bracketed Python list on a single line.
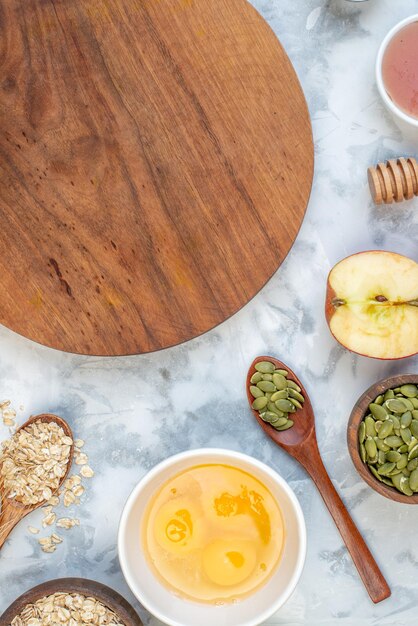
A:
[(156, 161)]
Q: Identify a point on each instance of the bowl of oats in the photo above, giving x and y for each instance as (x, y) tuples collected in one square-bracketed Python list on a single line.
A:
[(69, 601)]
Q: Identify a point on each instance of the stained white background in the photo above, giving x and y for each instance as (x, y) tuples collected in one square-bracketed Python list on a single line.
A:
[(135, 411)]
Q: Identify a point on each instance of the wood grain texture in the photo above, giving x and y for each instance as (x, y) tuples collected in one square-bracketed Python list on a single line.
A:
[(106, 595), (394, 180), (358, 413), (156, 160), (11, 511), (301, 443)]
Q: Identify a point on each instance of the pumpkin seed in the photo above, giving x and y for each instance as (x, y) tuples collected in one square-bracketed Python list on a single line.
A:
[(397, 481), (408, 404), (379, 400), (385, 430), (403, 448), (410, 391), (387, 481), (256, 392), (363, 454), (259, 403), (406, 435), (282, 372), (377, 425), (412, 443), (266, 385), (289, 424), (374, 472), (413, 454), (406, 419), (268, 377), (282, 421), (279, 395), (371, 447), (414, 402), (413, 480), (395, 471), (296, 403), (414, 426), (406, 472), (370, 425), (396, 406), (381, 457), (403, 462), (265, 367), (296, 395), (393, 441), (389, 394), (385, 469), (271, 417), (393, 456), (415, 414), (255, 378), (379, 412), (395, 421), (412, 465), (362, 432), (405, 488), (280, 381), (293, 385), (285, 405), (381, 445), (273, 409)]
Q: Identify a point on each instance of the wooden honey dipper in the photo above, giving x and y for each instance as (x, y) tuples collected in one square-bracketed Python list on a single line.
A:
[(393, 181)]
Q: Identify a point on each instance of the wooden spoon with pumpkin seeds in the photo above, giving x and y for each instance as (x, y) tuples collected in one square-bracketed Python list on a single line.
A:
[(301, 443)]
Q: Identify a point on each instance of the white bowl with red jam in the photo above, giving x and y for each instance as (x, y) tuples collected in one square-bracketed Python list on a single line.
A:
[(397, 71), (212, 536)]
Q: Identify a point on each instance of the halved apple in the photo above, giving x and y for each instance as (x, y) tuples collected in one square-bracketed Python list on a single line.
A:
[(372, 304)]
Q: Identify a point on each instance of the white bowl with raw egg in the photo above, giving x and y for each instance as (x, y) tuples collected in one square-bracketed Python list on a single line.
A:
[(212, 536)]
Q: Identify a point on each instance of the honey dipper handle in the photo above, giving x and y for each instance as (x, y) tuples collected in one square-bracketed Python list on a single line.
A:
[(367, 567)]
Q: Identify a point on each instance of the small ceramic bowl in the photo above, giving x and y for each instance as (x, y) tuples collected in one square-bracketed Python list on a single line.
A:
[(176, 611), (107, 596), (404, 120), (358, 413)]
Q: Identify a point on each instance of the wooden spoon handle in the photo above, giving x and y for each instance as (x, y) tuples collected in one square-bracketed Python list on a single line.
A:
[(8, 520), (367, 567)]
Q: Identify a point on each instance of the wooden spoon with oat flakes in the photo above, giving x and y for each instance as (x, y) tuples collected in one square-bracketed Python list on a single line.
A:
[(14, 508)]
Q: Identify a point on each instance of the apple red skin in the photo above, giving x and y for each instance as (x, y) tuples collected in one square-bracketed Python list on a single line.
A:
[(329, 307), (330, 311)]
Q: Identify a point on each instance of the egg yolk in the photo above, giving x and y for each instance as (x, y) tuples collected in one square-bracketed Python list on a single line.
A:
[(177, 526), (229, 562)]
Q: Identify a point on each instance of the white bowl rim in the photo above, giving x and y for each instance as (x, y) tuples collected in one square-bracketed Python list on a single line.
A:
[(379, 78), (224, 454)]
